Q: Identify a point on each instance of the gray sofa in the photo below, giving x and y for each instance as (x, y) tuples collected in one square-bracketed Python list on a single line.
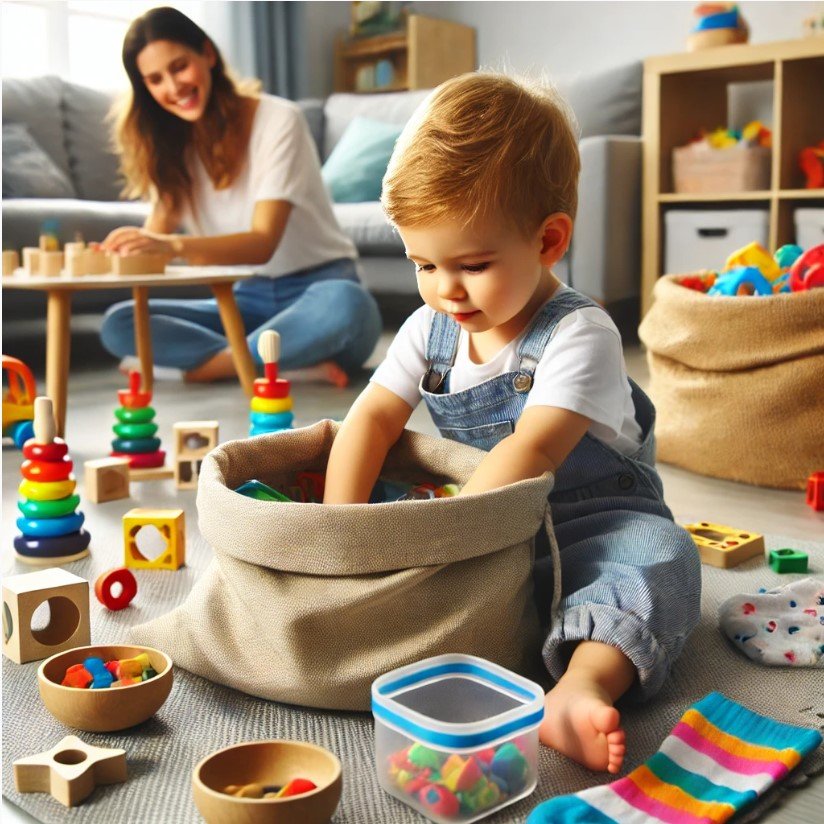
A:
[(69, 124)]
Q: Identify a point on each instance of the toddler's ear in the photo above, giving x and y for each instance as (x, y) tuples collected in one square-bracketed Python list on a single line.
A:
[(556, 233)]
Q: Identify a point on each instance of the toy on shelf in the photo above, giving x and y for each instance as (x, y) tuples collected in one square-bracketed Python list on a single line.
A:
[(193, 440), (68, 598), (170, 523), (788, 560), (11, 261), (70, 770), (18, 408), (815, 491), (811, 163), (724, 546), (807, 272), (105, 584), (271, 407), (718, 24), (51, 530), (136, 440), (106, 479)]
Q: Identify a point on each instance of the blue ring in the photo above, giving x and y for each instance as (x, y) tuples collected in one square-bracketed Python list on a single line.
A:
[(261, 430), (52, 547), (136, 446), (51, 527), (279, 420)]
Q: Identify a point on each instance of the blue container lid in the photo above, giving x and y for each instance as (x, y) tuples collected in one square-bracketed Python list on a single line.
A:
[(457, 701)]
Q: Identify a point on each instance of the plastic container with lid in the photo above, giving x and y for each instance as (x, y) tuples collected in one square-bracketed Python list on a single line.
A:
[(456, 736)]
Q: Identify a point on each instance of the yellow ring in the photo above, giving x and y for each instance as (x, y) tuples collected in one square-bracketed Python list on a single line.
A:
[(47, 490), (271, 406)]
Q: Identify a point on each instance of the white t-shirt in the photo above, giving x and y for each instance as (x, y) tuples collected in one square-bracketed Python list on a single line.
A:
[(282, 165), (582, 369)]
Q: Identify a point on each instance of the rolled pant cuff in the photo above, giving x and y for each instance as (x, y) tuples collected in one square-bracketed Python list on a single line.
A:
[(609, 625)]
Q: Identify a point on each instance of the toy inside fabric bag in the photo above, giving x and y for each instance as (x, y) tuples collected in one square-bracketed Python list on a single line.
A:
[(309, 486)]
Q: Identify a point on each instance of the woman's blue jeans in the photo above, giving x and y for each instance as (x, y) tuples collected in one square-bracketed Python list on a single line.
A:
[(321, 314)]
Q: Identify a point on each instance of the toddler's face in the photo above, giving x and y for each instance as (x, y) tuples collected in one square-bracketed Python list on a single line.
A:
[(485, 276)]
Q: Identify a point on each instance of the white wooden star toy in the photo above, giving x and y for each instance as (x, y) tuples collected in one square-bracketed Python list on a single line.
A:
[(70, 770)]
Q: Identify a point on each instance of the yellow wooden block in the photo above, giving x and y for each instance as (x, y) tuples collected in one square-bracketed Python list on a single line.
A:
[(271, 406), (724, 546), (170, 523)]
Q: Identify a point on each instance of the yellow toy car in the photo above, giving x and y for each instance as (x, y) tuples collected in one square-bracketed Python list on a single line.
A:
[(18, 411)]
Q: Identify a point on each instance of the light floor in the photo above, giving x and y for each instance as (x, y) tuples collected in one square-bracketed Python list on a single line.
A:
[(92, 398)]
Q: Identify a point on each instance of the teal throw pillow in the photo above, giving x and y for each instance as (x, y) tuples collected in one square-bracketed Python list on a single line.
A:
[(355, 169)]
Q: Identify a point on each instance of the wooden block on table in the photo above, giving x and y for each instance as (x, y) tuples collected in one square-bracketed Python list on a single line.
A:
[(106, 479), (51, 264), (724, 546), (68, 598), (31, 260), (11, 261), (156, 473), (139, 264), (170, 523)]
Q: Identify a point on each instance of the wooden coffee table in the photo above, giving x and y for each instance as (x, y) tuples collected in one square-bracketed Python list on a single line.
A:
[(59, 291)]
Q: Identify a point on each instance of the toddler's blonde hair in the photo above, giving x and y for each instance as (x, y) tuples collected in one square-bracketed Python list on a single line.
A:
[(483, 146)]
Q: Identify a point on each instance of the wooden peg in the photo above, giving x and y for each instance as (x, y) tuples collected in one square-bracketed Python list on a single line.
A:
[(44, 428), (269, 351)]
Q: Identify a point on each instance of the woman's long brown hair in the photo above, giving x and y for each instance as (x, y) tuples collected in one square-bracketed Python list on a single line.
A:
[(155, 146)]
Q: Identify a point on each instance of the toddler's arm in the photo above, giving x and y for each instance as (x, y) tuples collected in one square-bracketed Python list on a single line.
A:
[(543, 437), (374, 423)]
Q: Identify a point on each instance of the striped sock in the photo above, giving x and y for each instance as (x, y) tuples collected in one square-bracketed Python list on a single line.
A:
[(719, 758)]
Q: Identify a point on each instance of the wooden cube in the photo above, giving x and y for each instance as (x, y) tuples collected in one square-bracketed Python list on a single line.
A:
[(170, 523), (97, 262), (106, 479), (193, 440), (51, 264), (68, 598), (724, 546), (146, 264), (187, 472), (31, 260), (11, 261)]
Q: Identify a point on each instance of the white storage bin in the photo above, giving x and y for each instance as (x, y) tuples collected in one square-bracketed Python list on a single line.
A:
[(456, 736), (809, 227), (704, 239)]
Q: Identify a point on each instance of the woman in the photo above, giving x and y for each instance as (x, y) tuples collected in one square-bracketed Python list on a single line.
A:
[(239, 171)]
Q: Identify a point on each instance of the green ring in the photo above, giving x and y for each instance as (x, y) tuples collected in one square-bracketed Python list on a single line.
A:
[(142, 415), (48, 509), (134, 430)]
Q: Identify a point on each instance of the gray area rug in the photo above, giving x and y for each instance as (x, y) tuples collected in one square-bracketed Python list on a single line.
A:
[(200, 717)]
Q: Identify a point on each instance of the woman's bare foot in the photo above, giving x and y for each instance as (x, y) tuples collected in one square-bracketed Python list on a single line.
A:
[(581, 722), (326, 372), (219, 367)]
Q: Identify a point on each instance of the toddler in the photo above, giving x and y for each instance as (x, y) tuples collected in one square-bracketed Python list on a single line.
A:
[(482, 188)]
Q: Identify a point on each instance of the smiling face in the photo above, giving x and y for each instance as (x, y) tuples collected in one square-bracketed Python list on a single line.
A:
[(489, 278), (178, 78)]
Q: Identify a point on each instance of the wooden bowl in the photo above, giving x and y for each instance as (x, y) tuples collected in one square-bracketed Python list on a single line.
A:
[(103, 710), (267, 763)]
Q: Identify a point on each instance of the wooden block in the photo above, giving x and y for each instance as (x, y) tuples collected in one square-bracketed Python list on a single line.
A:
[(139, 264), (187, 472), (157, 473), (31, 260), (106, 479), (195, 439), (11, 261), (724, 546), (68, 598), (51, 264), (170, 523), (70, 770), (97, 262)]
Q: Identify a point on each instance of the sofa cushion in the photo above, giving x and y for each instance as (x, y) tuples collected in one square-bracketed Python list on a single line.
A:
[(341, 109), (27, 170), (93, 162), (366, 225), (355, 169), (37, 102)]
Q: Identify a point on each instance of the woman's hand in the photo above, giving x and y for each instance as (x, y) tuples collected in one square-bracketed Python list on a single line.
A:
[(131, 240)]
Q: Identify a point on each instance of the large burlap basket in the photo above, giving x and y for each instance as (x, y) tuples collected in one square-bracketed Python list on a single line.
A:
[(738, 383), (307, 603)]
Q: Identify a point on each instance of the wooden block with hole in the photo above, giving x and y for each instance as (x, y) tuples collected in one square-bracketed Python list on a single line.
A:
[(146, 264), (725, 546), (106, 479), (68, 599), (193, 440), (171, 525)]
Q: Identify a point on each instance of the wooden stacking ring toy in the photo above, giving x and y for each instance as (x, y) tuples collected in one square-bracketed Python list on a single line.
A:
[(271, 406), (133, 398), (36, 491), (266, 389), (136, 446), (104, 584), (49, 549), (142, 415), (49, 509), (135, 430), (149, 460), (51, 527), (47, 471), (54, 451)]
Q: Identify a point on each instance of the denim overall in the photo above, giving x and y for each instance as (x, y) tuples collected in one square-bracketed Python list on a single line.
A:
[(631, 577)]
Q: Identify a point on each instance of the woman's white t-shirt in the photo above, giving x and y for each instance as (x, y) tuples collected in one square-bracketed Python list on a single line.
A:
[(582, 369), (282, 165)]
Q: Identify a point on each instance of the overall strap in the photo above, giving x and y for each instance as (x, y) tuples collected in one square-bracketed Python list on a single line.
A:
[(534, 342), (441, 349)]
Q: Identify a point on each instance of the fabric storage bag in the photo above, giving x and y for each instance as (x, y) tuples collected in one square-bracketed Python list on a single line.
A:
[(738, 383), (308, 603)]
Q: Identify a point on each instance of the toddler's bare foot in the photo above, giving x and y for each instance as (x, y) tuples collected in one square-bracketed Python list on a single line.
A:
[(326, 372), (218, 368), (581, 722)]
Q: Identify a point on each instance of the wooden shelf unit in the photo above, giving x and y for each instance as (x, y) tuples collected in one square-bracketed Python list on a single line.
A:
[(684, 93), (425, 54)]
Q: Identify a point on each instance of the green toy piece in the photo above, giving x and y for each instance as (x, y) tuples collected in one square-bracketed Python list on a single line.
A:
[(261, 492), (135, 430), (788, 560), (143, 414)]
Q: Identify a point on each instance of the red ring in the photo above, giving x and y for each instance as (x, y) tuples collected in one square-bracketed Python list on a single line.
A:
[(47, 471), (133, 400), (54, 451), (142, 460), (266, 389), (103, 588)]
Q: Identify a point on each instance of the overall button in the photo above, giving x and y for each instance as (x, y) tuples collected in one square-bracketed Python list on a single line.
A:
[(522, 382), (626, 481)]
